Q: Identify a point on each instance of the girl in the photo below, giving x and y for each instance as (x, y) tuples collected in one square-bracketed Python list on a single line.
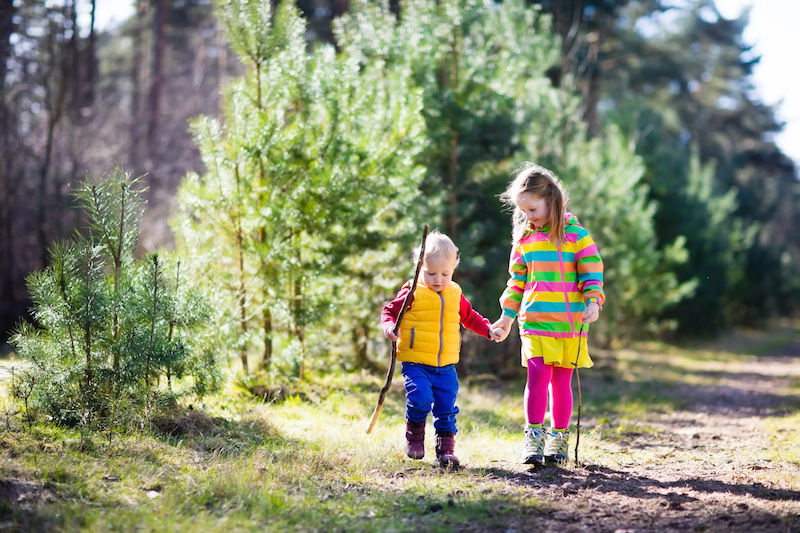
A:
[(555, 290)]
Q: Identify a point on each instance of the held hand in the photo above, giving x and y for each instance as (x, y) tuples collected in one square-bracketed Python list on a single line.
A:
[(501, 328), (498, 334), (389, 334), (592, 313)]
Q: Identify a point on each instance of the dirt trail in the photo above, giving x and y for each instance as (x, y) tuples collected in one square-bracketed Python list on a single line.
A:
[(704, 467)]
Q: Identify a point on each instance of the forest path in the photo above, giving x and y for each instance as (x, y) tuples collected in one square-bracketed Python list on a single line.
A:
[(674, 439), (725, 459)]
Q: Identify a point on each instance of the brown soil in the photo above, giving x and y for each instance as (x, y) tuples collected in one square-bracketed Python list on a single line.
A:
[(698, 471)]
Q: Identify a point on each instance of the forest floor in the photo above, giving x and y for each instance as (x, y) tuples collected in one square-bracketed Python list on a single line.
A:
[(726, 459), (674, 438)]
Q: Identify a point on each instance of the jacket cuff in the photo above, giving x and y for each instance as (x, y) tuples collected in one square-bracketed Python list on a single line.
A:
[(594, 299)]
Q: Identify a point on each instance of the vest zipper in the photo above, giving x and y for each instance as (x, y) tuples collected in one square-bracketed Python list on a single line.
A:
[(441, 332)]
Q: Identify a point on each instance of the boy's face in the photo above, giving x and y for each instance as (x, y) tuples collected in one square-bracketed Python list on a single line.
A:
[(536, 209), (437, 272)]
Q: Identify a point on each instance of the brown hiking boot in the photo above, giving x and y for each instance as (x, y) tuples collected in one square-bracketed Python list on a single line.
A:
[(415, 439), (445, 446)]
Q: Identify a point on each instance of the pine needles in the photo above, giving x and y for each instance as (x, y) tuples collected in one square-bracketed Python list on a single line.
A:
[(115, 339)]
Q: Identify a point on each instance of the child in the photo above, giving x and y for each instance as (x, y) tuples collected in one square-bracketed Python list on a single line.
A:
[(428, 346), (555, 291)]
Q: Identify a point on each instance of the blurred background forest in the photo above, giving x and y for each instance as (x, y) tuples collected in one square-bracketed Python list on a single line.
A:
[(295, 160)]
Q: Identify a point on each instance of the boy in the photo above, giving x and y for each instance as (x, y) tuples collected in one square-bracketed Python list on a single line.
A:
[(428, 347)]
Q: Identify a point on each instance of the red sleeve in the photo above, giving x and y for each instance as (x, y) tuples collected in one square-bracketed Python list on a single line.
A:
[(392, 309), (472, 319)]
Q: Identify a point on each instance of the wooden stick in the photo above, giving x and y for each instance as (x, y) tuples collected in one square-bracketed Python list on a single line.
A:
[(577, 375), (393, 362)]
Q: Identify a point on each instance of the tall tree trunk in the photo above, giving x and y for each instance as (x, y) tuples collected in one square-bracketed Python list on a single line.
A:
[(153, 318), (76, 96), (87, 325), (242, 285), (91, 61), (567, 22), (55, 95), (222, 68), (579, 61), (594, 78), (156, 83), (340, 7), (136, 91), (590, 102), (452, 219), (267, 361), (7, 10), (7, 269), (7, 300), (298, 310)]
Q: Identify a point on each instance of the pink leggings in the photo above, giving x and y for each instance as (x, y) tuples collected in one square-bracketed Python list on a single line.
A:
[(539, 376)]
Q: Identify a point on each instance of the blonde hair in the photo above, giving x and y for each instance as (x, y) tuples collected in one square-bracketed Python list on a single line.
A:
[(438, 245), (540, 182)]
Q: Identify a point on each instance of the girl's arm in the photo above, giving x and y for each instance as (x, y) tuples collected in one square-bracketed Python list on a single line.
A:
[(589, 266), (511, 299)]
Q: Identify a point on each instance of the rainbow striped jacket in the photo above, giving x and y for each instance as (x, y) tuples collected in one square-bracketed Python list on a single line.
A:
[(549, 289)]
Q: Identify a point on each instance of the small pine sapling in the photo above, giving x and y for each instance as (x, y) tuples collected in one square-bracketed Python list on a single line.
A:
[(112, 335)]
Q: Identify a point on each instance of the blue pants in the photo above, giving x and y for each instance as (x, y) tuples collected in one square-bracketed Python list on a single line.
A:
[(431, 388)]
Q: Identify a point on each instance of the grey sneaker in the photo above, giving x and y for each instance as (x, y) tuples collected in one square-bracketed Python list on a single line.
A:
[(533, 447), (556, 447)]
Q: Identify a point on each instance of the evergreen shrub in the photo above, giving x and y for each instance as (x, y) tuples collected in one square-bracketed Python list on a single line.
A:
[(115, 339)]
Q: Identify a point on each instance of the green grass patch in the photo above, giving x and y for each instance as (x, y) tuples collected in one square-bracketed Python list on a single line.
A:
[(240, 463)]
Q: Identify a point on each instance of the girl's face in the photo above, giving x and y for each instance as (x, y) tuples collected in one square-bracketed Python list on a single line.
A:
[(437, 272), (536, 209)]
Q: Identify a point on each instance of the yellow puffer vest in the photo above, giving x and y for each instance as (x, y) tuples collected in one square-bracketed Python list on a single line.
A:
[(430, 331)]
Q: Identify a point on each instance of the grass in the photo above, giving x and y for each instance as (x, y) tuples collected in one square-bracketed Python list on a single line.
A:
[(240, 464), (319, 471)]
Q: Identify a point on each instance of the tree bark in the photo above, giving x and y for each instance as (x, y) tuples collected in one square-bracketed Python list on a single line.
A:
[(91, 61), (591, 101), (242, 292), (136, 91), (452, 218), (76, 96), (222, 68), (7, 10), (267, 361), (156, 82), (55, 96), (7, 300)]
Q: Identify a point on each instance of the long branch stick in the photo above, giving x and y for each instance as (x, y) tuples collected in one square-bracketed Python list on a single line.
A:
[(578, 376), (393, 362)]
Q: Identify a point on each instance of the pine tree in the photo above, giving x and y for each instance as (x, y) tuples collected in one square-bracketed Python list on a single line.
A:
[(490, 104), (312, 161), (109, 328), (698, 110)]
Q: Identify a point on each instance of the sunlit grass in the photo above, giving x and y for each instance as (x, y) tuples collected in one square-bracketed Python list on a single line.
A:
[(236, 463), (263, 467)]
